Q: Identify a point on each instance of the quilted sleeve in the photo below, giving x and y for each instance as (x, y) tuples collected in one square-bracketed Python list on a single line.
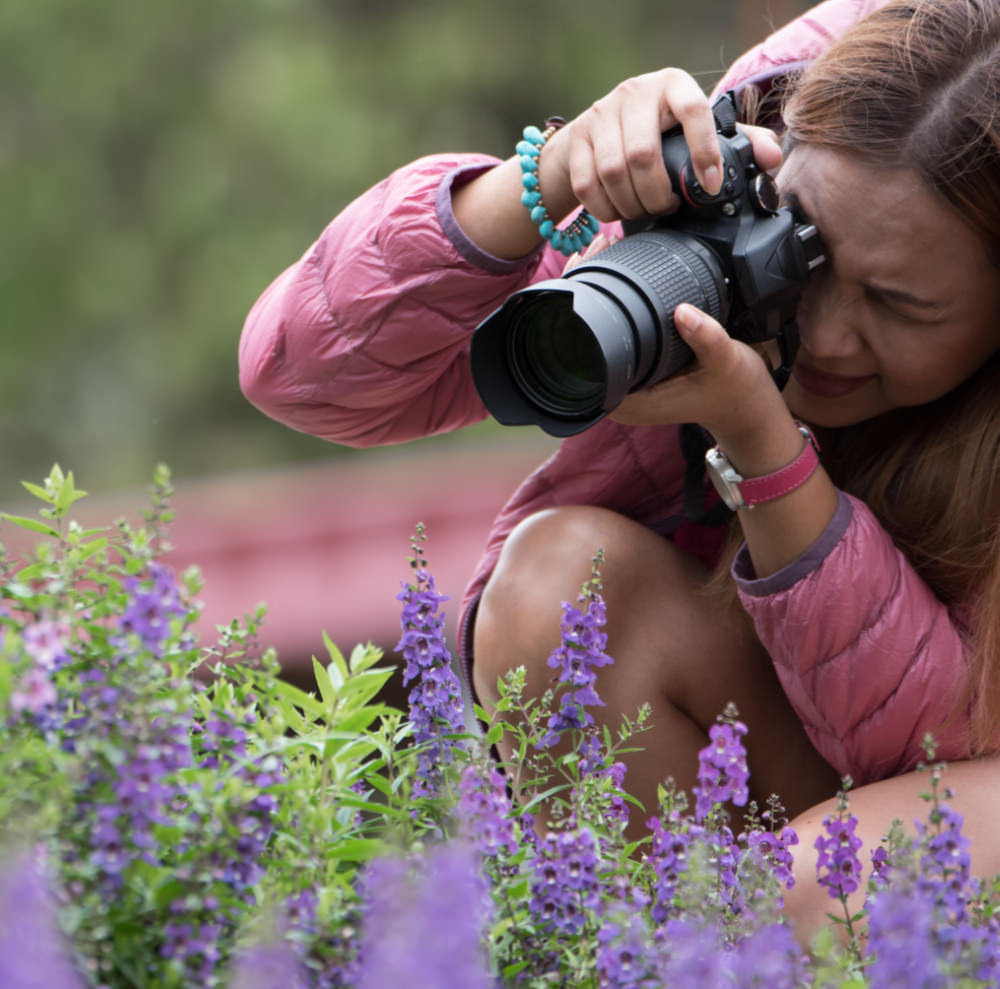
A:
[(365, 339), (870, 659)]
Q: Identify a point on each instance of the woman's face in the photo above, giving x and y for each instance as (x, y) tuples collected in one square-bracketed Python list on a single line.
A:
[(907, 307)]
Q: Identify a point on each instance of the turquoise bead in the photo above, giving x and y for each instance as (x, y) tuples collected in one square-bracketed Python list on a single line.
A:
[(529, 180), (538, 213), (526, 148), (546, 228), (531, 199), (556, 240), (533, 134), (529, 164)]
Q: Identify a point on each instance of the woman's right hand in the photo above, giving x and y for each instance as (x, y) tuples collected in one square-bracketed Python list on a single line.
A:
[(609, 158)]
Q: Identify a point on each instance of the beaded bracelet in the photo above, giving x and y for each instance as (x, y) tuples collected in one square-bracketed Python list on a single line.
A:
[(583, 229)]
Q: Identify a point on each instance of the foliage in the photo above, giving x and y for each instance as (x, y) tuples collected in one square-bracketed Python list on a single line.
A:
[(176, 815), (161, 163)]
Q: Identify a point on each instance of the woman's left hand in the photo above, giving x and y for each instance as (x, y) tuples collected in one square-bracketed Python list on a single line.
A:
[(727, 389)]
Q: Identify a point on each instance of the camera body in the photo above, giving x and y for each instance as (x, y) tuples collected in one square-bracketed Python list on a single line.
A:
[(564, 352)]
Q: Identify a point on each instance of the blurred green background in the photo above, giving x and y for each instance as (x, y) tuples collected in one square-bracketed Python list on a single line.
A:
[(161, 163)]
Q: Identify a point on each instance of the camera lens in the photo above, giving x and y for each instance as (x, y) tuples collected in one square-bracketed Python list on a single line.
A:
[(555, 359)]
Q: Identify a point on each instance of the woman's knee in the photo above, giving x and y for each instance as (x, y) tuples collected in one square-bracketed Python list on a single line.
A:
[(545, 561)]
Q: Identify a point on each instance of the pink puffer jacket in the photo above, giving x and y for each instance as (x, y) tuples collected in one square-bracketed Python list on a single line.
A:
[(365, 341)]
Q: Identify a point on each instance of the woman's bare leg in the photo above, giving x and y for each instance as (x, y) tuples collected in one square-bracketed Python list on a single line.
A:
[(675, 646), (976, 786)]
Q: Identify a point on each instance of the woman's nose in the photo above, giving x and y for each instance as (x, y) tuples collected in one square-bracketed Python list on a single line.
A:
[(828, 320)]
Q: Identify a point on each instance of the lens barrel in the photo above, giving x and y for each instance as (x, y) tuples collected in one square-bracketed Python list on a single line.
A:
[(564, 352)]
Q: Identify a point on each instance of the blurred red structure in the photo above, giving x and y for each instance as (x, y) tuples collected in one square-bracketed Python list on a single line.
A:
[(326, 546)]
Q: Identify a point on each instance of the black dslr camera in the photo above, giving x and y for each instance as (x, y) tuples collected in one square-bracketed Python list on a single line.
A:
[(564, 352)]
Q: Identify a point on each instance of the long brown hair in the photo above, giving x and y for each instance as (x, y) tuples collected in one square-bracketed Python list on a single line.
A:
[(916, 86)]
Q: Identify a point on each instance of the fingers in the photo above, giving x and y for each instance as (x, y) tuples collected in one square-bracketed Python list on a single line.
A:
[(766, 149), (689, 107), (615, 160), (711, 344)]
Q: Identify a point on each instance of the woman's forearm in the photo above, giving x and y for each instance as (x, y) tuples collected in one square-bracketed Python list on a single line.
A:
[(489, 208)]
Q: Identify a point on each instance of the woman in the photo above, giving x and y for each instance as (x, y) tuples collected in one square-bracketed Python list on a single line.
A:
[(865, 587)]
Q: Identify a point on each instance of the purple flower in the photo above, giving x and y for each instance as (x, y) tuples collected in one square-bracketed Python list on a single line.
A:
[(669, 859), (722, 769), (154, 601), (564, 880), (33, 954), (45, 642), (35, 693), (901, 948), (772, 848), (769, 958), (424, 922), (268, 965), (623, 950), (484, 811), (838, 867), (693, 957), (436, 697), (945, 861), (579, 654)]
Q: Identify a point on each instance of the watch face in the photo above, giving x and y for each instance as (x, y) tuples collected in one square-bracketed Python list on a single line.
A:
[(724, 478)]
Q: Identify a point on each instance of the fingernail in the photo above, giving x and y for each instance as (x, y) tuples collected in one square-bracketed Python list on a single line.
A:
[(712, 182)]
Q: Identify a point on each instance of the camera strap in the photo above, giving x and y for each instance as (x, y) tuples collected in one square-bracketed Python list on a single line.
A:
[(695, 440)]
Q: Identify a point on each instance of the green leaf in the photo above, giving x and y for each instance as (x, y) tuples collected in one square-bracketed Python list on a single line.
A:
[(494, 735), (356, 849), (67, 495), (33, 524), (336, 658), (38, 491), (326, 689)]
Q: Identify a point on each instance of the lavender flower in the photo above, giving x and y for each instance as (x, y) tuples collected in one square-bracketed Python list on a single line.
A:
[(579, 655), (838, 867), (624, 952), (722, 769), (692, 957), (669, 860), (46, 643), (436, 697), (484, 811), (768, 958), (945, 861), (900, 943), (424, 922), (271, 964), (35, 693), (154, 601), (564, 881), (772, 848), (32, 952)]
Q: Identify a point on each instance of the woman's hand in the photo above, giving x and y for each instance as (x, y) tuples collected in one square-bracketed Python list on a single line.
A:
[(610, 159), (727, 389)]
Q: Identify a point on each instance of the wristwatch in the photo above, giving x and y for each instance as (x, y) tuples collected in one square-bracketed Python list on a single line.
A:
[(745, 492)]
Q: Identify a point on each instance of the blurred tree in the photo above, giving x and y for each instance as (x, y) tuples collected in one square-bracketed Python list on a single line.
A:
[(160, 163)]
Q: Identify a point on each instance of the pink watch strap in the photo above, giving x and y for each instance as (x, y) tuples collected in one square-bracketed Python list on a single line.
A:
[(756, 490)]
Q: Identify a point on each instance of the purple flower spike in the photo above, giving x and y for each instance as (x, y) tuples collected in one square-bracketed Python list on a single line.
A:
[(578, 656), (436, 697), (900, 941), (484, 811), (838, 867), (154, 601), (424, 923), (723, 775), (564, 886), (272, 965), (32, 952)]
